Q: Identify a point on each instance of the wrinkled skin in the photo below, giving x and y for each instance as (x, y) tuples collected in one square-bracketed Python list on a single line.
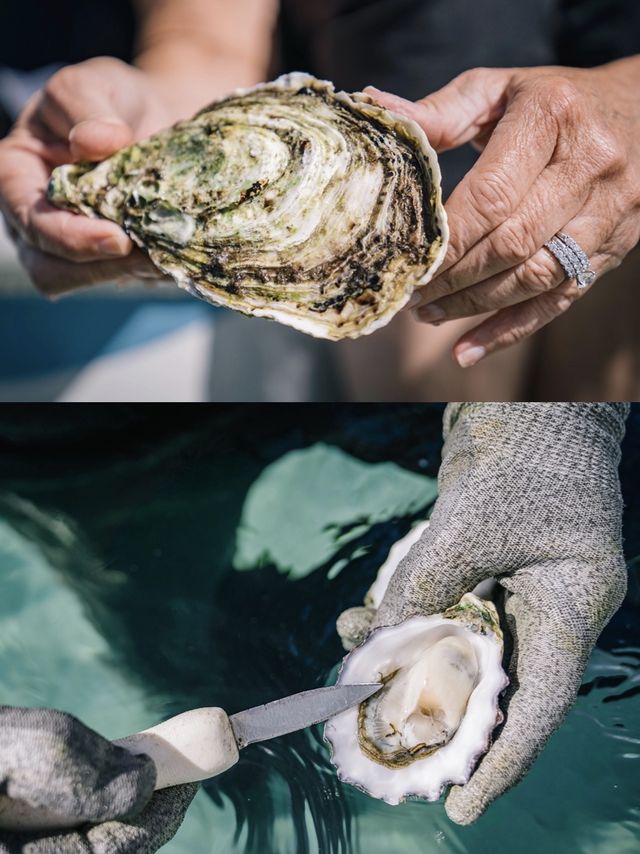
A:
[(559, 152)]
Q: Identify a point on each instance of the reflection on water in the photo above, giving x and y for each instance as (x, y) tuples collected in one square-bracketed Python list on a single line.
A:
[(206, 565)]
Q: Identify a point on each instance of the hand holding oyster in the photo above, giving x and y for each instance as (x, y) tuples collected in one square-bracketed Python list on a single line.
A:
[(290, 201)]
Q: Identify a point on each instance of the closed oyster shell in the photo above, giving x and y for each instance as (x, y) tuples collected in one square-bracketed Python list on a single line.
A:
[(290, 201)]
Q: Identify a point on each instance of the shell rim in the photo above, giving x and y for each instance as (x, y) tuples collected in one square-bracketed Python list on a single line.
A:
[(473, 758)]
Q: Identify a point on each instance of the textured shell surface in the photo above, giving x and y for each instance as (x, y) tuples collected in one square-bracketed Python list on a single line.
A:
[(427, 727), (290, 201)]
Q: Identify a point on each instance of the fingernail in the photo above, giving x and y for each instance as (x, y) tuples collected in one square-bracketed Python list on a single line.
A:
[(470, 355), (431, 313), (372, 90), (114, 247), (414, 300)]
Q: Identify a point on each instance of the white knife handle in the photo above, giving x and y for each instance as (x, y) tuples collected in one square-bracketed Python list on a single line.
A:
[(189, 747)]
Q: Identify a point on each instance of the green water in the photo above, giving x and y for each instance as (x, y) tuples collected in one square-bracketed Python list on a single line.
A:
[(206, 567)]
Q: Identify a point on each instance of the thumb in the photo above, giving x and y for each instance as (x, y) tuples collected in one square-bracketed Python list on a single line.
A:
[(98, 138), (353, 625), (460, 111)]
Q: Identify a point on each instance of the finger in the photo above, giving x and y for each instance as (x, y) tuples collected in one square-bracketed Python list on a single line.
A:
[(84, 103), (514, 751), (457, 112), (539, 273), (150, 830), (98, 138), (93, 130), (354, 624), (545, 671), (55, 277), (519, 150), (512, 325), (56, 762), (23, 178), (554, 200)]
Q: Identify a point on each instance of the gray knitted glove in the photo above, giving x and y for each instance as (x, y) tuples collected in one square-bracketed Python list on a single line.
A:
[(529, 494), (50, 760)]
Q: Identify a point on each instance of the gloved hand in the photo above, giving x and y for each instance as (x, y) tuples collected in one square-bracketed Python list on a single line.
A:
[(529, 494), (50, 760)]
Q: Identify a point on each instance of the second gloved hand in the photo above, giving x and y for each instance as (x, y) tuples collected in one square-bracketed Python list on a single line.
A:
[(529, 494), (50, 760)]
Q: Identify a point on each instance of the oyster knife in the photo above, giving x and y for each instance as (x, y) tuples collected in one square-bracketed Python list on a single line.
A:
[(204, 742)]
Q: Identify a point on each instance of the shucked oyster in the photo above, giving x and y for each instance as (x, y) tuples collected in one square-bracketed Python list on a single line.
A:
[(289, 201), (428, 725)]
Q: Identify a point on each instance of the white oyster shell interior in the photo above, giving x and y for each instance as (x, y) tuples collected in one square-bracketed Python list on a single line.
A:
[(448, 668), (423, 703)]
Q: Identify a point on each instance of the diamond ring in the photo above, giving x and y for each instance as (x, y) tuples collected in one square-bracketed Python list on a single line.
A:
[(572, 258)]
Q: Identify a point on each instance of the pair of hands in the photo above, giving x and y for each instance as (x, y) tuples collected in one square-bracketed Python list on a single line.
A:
[(558, 148), (529, 494)]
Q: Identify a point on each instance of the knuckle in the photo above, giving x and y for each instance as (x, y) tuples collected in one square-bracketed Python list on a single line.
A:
[(540, 273), (469, 302), (510, 335), (561, 302), (566, 294), (551, 305), (61, 82), (87, 75), (103, 63), (491, 196), (606, 151), (561, 95), (514, 242), (469, 78), (71, 243)]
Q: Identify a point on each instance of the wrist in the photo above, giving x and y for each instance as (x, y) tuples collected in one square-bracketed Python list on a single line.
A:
[(570, 438), (187, 78), (619, 79)]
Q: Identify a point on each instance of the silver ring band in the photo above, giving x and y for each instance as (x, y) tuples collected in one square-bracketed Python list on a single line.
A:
[(573, 259)]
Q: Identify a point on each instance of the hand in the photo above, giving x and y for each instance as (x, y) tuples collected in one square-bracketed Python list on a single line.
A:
[(559, 153), (529, 494), (51, 761), (85, 112)]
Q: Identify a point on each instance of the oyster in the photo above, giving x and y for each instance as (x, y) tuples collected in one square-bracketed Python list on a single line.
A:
[(433, 718), (291, 201)]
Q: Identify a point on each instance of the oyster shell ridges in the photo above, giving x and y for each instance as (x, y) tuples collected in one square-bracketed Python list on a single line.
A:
[(290, 201)]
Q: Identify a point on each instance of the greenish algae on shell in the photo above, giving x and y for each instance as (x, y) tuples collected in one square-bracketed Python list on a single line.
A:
[(291, 201)]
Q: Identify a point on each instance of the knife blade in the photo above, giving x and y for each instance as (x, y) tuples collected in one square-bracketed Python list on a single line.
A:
[(297, 711)]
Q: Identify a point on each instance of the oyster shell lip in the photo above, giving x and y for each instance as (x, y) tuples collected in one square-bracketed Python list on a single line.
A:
[(426, 778)]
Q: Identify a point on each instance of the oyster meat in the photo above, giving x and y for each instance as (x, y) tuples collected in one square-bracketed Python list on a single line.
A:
[(291, 201), (433, 718)]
